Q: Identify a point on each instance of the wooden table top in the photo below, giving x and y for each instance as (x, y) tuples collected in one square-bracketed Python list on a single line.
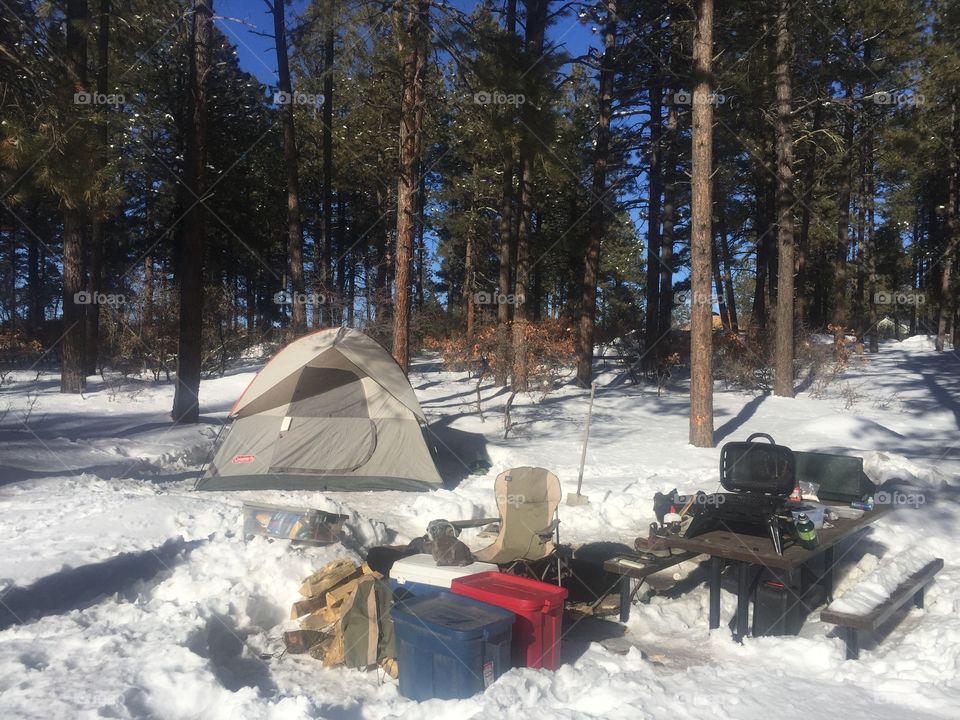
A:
[(759, 550)]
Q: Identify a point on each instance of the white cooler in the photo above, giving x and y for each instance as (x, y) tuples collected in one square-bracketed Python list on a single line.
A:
[(419, 574)]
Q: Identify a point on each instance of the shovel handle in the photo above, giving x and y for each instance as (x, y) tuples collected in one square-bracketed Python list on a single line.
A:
[(586, 437)]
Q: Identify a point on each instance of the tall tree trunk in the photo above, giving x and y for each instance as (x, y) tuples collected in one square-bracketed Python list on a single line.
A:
[(326, 244), (728, 281), (34, 288), (298, 317), (508, 233), (841, 316), (701, 200), (784, 351), (522, 277), (384, 268), (870, 250), (665, 297), (421, 258), (412, 51), (186, 399), (803, 241), (91, 346), (758, 314), (534, 42), (72, 377), (469, 285), (146, 320), (598, 207), (717, 272), (502, 370), (948, 304), (655, 192)]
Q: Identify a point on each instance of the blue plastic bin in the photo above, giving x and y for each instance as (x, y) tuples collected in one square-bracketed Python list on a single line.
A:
[(450, 646)]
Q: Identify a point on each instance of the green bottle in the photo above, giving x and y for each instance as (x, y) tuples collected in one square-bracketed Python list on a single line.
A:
[(806, 532)]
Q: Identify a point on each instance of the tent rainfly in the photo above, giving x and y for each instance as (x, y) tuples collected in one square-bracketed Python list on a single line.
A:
[(331, 411)]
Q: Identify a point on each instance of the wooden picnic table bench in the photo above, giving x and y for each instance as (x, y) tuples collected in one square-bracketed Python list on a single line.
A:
[(630, 566), (853, 623), (748, 551)]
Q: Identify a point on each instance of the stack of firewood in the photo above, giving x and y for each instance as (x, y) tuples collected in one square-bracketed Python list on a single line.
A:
[(326, 592)]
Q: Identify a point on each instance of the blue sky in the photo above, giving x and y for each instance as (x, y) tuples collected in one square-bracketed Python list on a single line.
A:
[(240, 20)]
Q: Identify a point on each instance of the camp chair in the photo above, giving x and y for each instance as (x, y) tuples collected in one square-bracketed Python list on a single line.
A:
[(527, 500)]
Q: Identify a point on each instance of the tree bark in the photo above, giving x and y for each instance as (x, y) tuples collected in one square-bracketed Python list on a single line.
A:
[(701, 186), (412, 51), (840, 314), (72, 378), (665, 298), (784, 351), (598, 209), (95, 275), (803, 241), (534, 36), (870, 250), (731, 303), (718, 276), (34, 289), (186, 399), (522, 277), (469, 285), (326, 244), (655, 190), (298, 314), (421, 256), (947, 306)]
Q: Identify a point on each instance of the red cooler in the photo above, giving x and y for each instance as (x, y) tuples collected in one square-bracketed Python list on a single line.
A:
[(538, 607)]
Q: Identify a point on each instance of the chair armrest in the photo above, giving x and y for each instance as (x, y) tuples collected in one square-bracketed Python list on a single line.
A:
[(548, 532)]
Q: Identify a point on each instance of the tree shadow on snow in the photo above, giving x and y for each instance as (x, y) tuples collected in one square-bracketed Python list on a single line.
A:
[(222, 643), (457, 453), (84, 586)]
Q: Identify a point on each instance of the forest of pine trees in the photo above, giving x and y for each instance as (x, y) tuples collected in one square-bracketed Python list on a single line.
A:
[(701, 170)]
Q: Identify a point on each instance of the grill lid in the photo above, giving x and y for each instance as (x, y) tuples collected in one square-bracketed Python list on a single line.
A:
[(757, 467)]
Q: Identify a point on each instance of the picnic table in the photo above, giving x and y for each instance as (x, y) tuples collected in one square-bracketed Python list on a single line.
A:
[(749, 552)]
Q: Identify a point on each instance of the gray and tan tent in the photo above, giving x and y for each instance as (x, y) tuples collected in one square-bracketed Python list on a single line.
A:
[(331, 411)]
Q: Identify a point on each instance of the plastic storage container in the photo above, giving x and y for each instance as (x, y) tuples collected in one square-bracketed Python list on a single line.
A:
[(314, 527), (420, 574), (449, 646), (538, 607)]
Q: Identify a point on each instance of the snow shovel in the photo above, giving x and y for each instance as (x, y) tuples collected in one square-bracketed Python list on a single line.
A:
[(578, 499)]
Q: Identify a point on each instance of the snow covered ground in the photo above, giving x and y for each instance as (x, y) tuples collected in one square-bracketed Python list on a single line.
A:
[(124, 593)]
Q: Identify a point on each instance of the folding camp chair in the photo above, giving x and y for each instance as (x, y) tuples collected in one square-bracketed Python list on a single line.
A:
[(529, 536)]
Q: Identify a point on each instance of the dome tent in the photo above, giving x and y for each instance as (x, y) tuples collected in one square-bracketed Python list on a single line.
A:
[(331, 411)]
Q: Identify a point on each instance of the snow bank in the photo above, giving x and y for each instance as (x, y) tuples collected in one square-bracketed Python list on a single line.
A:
[(879, 585)]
